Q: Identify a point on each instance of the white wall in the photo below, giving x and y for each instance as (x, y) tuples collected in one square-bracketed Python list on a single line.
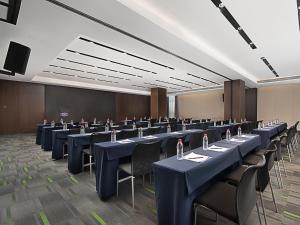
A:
[(201, 105)]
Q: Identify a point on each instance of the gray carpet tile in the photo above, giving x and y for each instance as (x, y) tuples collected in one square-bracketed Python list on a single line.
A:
[(37, 190)]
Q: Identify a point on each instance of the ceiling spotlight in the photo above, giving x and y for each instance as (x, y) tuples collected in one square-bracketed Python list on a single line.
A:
[(239, 28), (221, 5)]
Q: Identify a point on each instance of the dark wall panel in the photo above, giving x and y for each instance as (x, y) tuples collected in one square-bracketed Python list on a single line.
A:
[(132, 105), (251, 104), (79, 103), (21, 106)]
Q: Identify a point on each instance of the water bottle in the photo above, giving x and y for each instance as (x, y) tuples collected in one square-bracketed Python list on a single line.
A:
[(95, 120), (149, 124), (230, 121), (191, 121), (65, 126), (111, 123), (205, 142), (239, 132), (133, 126), (141, 119), (182, 122), (82, 130), (215, 124), (107, 121), (179, 150), (228, 135), (45, 122), (61, 121), (86, 125), (106, 127), (126, 119), (134, 118), (222, 123), (259, 125), (113, 136), (72, 122), (140, 132), (159, 120), (184, 127), (169, 129), (234, 121), (52, 123), (263, 125), (82, 120), (125, 122)]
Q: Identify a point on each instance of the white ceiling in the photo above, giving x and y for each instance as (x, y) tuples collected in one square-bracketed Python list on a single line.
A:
[(194, 30)]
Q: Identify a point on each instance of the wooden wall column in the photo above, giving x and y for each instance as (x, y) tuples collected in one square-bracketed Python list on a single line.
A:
[(234, 100), (158, 102)]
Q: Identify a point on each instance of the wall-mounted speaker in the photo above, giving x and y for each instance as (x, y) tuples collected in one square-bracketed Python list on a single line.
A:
[(17, 58)]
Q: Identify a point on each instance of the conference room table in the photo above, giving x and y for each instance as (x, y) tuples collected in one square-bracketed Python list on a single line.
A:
[(39, 129), (108, 154), (46, 138), (179, 182), (223, 128), (269, 132)]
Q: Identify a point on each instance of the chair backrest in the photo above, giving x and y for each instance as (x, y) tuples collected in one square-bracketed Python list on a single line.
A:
[(196, 140), (234, 130), (170, 146), (213, 135), (246, 192), (143, 156), (129, 133), (100, 137), (154, 130), (263, 176)]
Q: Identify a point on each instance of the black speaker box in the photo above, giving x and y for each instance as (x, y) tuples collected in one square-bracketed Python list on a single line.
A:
[(17, 58)]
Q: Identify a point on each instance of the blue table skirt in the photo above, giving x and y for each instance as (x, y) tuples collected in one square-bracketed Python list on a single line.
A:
[(59, 137), (107, 157), (46, 140), (39, 128), (178, 183), (223, 128)]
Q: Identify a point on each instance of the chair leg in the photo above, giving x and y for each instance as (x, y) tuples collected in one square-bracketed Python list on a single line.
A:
[(277, 176), (263, 207), (132, 189), (282, 161), (150, 177), (195, 214), (143, 180), (288, 150), (279, 171), (82, 155), (258, 213), (91, 165), (117, 183), (276, 209), (63, 151)]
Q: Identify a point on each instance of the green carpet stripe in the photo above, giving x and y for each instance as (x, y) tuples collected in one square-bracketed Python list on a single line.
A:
[(25, 168), (73, 179), (50, 180), (98, 218), (24, 182), (8, 213), (151, 191), (44, 218), (293, 215)]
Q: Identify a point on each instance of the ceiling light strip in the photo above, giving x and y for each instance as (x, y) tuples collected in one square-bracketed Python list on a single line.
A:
[(298, 9), (269, 66), (233, 22), (203, 78), (174, 78), (66, 7)]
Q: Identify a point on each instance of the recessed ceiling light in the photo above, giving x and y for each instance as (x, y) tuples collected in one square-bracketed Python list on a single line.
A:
[(221, 5)]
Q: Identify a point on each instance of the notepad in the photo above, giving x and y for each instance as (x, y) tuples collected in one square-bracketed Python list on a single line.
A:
[(237, 140), (149, 137), (217, 148), (196, 157), (125, 141)]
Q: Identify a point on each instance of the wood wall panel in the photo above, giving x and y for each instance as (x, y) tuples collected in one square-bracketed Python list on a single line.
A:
[(21, 106), (158, 102), (251, 104), (132, 105)]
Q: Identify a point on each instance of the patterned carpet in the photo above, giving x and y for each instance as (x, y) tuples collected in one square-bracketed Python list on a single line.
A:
[(36, 190)]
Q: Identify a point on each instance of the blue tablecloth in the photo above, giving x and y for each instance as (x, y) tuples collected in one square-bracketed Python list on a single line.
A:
[(46, 139), (107, 157), (268, 133), (178, 183), (39, 128), (161, 124), (223, 128), (58, 139), (190, 126)]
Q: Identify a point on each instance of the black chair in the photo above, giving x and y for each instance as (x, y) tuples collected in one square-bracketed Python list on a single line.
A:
[(285, 143), (143, 156), (212, 135), (263, 176), (153, 130), (170, 148), (95, 138), (234, 130), (66, 143), (230, 201), (196, 140), (130, 133)]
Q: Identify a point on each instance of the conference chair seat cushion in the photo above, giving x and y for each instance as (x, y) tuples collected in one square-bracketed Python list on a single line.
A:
[(253, 159), (126, 167), (220, 198)]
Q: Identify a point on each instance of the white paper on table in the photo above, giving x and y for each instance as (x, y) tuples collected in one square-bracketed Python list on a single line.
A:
[(125, 141), (149, 137), (246, 136), (196, 157), (176, 132), (217, 148), (237, 140)]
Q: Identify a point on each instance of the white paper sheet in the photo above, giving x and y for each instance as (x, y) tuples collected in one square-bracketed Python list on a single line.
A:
[(217, 148), (196, 157), (125, 141), (149, 137), (237, 140)]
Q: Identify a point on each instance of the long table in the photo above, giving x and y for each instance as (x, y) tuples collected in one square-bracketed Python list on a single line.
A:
[(107, 155), (39, 128), (46, 139), (223, 128), (179, 182), (268, 132)]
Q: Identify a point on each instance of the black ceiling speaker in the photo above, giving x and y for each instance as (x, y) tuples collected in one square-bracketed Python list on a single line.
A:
[(13, 9), (17, 58)]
